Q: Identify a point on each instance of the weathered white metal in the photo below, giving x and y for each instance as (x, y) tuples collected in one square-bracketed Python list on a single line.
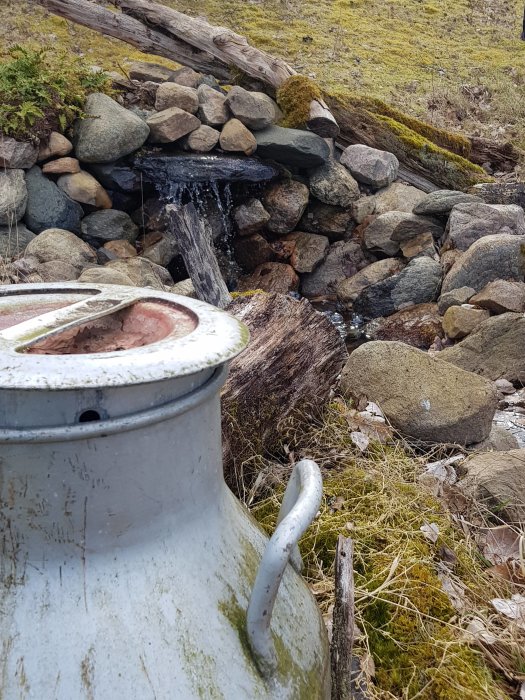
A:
[(126, 565)]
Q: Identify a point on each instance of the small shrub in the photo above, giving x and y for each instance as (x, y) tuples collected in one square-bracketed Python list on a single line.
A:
[(44, 90)]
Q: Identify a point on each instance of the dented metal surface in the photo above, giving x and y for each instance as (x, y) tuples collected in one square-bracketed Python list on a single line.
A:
[(126, 565)]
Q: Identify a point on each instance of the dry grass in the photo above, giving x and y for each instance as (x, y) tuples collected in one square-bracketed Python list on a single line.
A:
[(429, 58), (411, 634)]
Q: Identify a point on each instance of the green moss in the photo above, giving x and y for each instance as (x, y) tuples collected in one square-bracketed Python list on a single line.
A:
[(294, 97), (446, 139), (411, 628)]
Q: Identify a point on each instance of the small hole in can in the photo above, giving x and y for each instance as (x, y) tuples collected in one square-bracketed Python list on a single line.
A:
[(89, 416)]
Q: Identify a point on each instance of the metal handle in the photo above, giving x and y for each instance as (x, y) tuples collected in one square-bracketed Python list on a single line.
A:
[(300, 504), (29, 332)]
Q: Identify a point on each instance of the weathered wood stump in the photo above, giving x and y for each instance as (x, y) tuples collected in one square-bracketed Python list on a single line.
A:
[(343, 621), (291, 363)]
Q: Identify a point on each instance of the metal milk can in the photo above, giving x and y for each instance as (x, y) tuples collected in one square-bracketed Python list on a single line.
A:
[(128, 570)]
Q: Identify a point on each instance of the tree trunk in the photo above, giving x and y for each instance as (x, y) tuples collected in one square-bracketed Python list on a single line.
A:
[(291, 363), (343, 621), (198, 255)]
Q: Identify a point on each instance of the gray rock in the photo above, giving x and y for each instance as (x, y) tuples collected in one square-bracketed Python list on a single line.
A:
[(456, 297), (332, 184), (144, 71), (116, 176), (501, 296), (397, 197), (387, 231), (57, 271), (13, 240), (494, 351), (350, 288), (460, 321), (108, 225), (105, 275), (213, 110), (497, 479), (285, 202), (13, 196), (293, 147), (170, 125), (491, 258), (499, 440), (162, 251), (344, 258), (370, 166), (252, 251), (187, 76), (309, 252), (441, 202), (109, 133), (334, 222), (250, 217), (48, 207), (17, 154), (417, 283), (185, 288), (235, 137), (202, 140), (174, 95), (422, 396), (142, 272), (470, 222), (417, 326), (56, 244), (254, 109), (362, 208)]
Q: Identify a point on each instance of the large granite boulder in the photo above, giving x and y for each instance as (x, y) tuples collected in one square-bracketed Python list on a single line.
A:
[(490, 258), (332, 184), (471, 221), (494, 350), (57, 244), (370, 166), (397, 197), (293, 147), (497, 479), (388, 230), (441, 202), (109, 132), (254, 109), (175, 95), (418, 283), (49, 207), (422, 396), (285, 202)]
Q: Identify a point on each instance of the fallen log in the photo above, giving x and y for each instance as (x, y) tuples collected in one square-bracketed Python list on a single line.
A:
[(198, 255), (501, 193), (291, 363), (343, 621)]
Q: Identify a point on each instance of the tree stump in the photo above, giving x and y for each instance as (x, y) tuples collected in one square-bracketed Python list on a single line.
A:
[(343, 621), (292, 362)]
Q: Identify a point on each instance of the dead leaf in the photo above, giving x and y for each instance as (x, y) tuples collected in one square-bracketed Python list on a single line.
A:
[(510, 571), (440, 473), (479, 631), (499, 544), (368, 666), (430, 531), (360, 440), (447, 556), (337, 504), (513, 608), (453, 588)]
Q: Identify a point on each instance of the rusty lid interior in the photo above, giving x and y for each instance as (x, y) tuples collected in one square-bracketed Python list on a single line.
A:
[(66, 336)]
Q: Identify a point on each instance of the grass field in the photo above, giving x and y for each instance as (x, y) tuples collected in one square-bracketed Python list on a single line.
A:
[(454, 63)]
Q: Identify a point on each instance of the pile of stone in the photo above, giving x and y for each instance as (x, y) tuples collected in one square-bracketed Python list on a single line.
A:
[(442, 271)]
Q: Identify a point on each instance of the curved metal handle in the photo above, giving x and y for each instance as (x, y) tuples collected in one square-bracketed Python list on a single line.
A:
[(300, 504)]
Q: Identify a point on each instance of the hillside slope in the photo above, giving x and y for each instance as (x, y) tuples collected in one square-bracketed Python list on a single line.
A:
[(454, 63)]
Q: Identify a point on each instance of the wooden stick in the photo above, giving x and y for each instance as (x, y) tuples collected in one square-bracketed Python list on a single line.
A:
[(199, 257), (343, 621)]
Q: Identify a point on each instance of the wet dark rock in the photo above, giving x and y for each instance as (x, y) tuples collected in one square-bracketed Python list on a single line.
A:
[(417, 326), (49, 207), (186, 168), (293, 147)]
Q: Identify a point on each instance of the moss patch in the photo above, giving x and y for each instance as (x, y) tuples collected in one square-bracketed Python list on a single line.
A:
[(294, 98)]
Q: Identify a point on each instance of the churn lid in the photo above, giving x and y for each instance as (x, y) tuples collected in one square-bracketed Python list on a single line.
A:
[(73, 336)]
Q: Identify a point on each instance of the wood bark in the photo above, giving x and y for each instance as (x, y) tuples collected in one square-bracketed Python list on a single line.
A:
[(343, 621), (160, 30), (291, 363), (198, 255)]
